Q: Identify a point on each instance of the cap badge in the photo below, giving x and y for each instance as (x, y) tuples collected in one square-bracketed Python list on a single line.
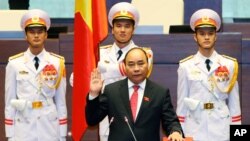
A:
[(205, 19), (35, 19), (124, 12)]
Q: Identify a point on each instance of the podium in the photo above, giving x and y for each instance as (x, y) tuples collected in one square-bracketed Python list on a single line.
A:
[(186, 139)]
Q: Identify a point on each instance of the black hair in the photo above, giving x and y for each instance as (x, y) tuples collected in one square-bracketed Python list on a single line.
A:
[(116, 20), (139, 48), (28, 27), (212, 27)]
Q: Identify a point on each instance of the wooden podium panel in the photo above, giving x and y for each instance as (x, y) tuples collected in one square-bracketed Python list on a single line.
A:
[(186, 139)]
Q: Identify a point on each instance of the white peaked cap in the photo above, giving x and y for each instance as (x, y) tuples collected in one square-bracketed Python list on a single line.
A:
[(123, 10), (205, 18), (35, 17)]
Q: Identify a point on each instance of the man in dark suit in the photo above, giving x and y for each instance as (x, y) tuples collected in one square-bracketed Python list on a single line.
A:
[(129, 120)]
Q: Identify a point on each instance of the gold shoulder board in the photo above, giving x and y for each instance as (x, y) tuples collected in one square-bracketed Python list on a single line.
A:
[(16, 56), (146, 48), (228, 57), (187, 58), (104, 47), (56, 55)]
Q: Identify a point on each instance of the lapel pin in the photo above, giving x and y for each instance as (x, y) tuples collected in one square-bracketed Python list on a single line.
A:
[(146, 98)]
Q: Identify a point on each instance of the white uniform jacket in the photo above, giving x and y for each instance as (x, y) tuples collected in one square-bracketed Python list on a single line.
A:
[(112, 70), (35, 106), (208, 101)]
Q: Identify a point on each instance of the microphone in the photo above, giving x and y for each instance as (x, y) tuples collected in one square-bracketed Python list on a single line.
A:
[(111, 120), (126, 120)]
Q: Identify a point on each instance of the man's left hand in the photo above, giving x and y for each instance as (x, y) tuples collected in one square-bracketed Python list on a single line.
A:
[(175, 136)]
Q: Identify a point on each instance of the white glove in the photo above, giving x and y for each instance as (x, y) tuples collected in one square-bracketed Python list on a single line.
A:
[(194, 106), (18, 104), (101, 67), (191, 103), (62, 138), (71, 79)]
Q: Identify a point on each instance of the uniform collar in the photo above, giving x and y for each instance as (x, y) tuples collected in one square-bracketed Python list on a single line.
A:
[(126, 48), (31, 56), (213, 58)]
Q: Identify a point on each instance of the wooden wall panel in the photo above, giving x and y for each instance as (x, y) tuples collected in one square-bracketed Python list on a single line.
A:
[(245, 95), (243, 28), (2, 79), (246, 50), (67, 46), (11, 47), (167, 48)]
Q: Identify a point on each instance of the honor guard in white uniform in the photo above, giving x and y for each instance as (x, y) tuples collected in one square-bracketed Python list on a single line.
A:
[(35, 87), (208, 94), (123, 18)]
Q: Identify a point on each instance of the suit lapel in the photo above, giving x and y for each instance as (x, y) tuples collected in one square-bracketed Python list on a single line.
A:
[(146, 99), (124, 94)]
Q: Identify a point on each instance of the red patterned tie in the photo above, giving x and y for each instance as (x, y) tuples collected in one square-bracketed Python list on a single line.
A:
[(133, 101)]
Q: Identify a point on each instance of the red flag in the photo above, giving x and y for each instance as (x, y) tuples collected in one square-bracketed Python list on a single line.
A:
[(90, 28)]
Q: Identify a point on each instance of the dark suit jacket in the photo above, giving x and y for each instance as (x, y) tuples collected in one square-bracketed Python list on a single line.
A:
[(156, 108)]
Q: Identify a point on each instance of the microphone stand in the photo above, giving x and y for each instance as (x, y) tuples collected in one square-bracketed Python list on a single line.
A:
[(111, 120), (126, 120)]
